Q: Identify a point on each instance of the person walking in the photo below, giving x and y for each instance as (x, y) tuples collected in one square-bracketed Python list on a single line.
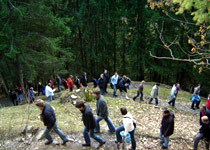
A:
[(41, 88), (154, 93), (140, 91), (114, 82), (13, 97), (89, 123), (101, 84), (19, 91), (59, 83), (84, 79), (127, 81), (196, 98), (49, 119), (203, 133), (77, 82), (70, 83), (106, 80), (49, 92), (123, 88), (128, 127), (31, 94), (174, 93), (102, 112), (64, 82), (167, 128)]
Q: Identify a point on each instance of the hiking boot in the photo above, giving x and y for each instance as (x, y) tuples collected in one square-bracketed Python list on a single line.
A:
[(100, 145), (86, 145), (192, 108), (48, 142), (133, 99), (161, 142), (64, 142), (163, 147)]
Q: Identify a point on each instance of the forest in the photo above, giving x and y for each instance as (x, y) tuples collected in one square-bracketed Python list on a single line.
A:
[(41, 39)]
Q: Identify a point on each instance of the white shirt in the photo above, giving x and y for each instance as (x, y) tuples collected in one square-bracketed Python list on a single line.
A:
[(173, 91), (49, 91), (114, 79), (128, 123)]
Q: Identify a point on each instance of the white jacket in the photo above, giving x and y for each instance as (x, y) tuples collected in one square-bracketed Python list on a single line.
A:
[(173, 92), (114, 79), (154, 92), (128, 123), (49, 91)]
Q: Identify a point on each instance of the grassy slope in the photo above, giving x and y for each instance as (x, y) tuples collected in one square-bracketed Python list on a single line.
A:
[(148, 119)]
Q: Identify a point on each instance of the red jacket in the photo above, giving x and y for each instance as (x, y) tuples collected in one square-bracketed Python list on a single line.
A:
[(70, 83), (208, 104)]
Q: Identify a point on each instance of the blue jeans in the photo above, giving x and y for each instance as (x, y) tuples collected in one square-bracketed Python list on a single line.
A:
[(156, 101), (87, 137), (109, 123), (119, 137), (172, 101), (141, 97), (164, 139), (20, 97), (102, 91), (58, 131), (50, 98), (115, 90), (59, 87)]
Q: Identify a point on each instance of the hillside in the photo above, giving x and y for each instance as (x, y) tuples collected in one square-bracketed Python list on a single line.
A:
[(148, 117)]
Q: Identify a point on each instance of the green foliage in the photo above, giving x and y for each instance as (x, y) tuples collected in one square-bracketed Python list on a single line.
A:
[(88, 94)]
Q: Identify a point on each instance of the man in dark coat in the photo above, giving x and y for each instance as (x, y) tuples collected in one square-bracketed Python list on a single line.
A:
[(41, 88), (89, 123), (102, 112), (204, 132), (49, 119), (101, 84), (106, 79), (13, 97), (84, 80), (167, 128)]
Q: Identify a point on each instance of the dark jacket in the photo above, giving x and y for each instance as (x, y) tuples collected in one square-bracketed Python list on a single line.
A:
[(106, 78), (205, 129), (84, 80), (122, 83), (48, 115), (141, 87), (101, 83), (77, 83), (88, 118), (167, 125), (101, 107)]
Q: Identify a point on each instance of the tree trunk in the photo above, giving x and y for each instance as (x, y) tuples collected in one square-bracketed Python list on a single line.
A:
[(20, 71), (3, 84)]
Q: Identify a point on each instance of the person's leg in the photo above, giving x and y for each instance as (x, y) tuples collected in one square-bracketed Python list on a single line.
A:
[(110, 124), (60, 133), (117, 131), (59, 87), (115, 90), (98, 119), (161, 137), (136, 95), (156, 101), (166, 141), (150, 101), (97, 138), (207, 144), (173, 103), (49, 98), (47, 134), (192, 105), (197, 104), (133, 140), (86, 136), (196, 141), (141, 97)]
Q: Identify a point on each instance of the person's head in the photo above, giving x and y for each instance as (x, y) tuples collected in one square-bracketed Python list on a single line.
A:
[(124, 77), (199, 86), (49, 84), (84, 73), (71, 76), (158, 84), (80, 105), (96, 94), (39, 103), (39, 83), (102, 75), (31, 88), (142, 81), (115, 73), (203, 108), (123, 111), (76, 77), (166, 112), (205, 120), (105, 71), (178, 85)]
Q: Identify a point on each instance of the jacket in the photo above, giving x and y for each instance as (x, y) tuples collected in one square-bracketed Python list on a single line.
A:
[(48, 116), (141, 87), (84, 80), (106, 77), (70, 83), (174, 91), (196, 91), (122, 83), (49, 91), (88, 118), (114, 79), (167, 125), (101, 107), (154, 92), (101, 83), (205, 129), (128, 123)]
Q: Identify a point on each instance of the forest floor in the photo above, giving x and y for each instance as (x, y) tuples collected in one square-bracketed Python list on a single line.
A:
[(148, 118)]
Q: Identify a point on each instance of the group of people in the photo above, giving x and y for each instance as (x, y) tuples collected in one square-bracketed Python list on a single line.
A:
[(91, 124)]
